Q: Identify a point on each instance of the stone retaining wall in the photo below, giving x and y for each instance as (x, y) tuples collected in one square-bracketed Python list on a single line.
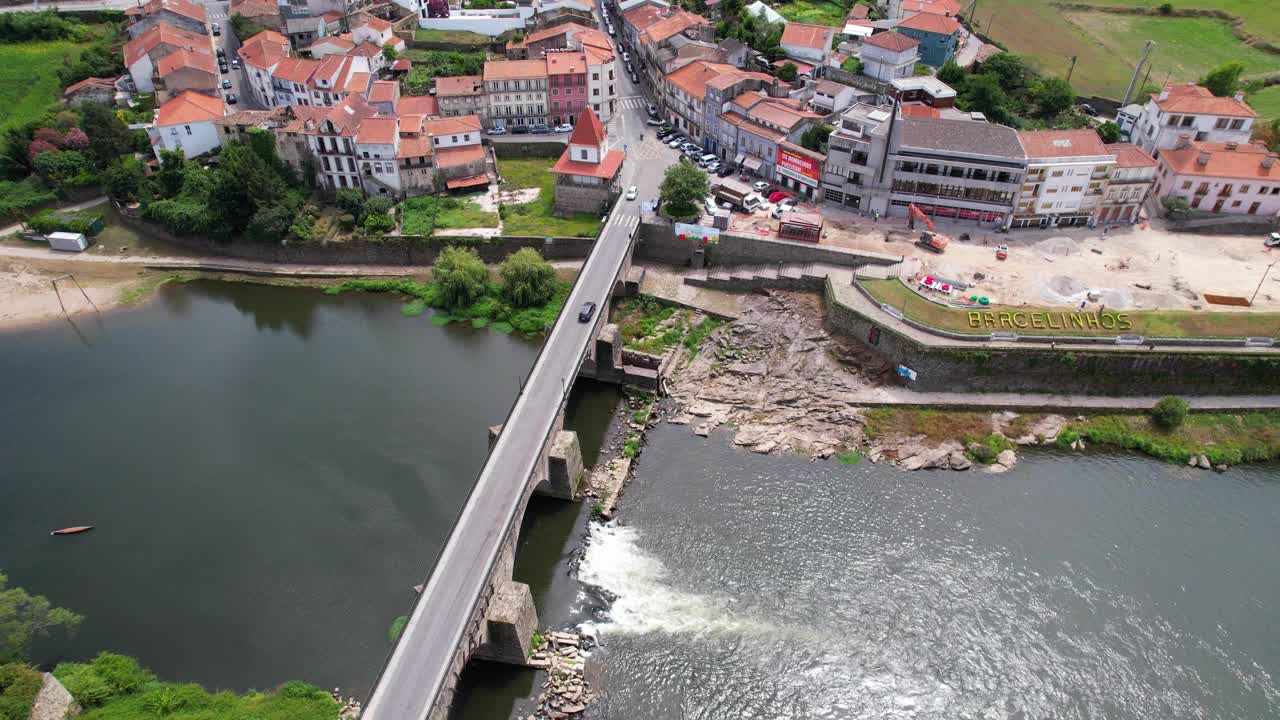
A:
[(659, 243), (951, 368), (390, 250)]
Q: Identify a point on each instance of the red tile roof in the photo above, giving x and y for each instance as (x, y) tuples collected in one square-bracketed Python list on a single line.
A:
[(97, 83), (295, 70), (1061, 143), (366, 49), (693, 78), (402, 65), (606, 169), (1196, 100), (179, 7), (566, 63), (378, 131), (588, 130), (184, 58), (158, 34), (679, 21), (642, 17), (473, 181), (337, 42), (377, 23), (383, 91), (451, 125), (1129, 155), (1245, 162), (418, 105), (817, 37), (264, 50), (455, 156), (515, 69), (457, 85), (897, 42), (190, 107), (931, 23), (923, 111)]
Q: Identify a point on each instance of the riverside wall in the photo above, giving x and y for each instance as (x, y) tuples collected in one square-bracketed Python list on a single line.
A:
[(658, 243), (947, 367), (389, 250)]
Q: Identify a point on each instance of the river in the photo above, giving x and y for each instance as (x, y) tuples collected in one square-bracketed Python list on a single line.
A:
[(1075, 586), (270, 471)]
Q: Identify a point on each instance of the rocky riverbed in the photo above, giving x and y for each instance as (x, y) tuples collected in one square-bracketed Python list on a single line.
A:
[(784, 383)]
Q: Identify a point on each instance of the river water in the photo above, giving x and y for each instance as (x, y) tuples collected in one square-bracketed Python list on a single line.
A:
[(1095, 586), (270, 471)]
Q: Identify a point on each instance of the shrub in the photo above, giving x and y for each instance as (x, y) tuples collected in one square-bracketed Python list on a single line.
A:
[(346, 221), (461, 275), (378, 222), (1166, 9), (19, 686), (49, 221), (527, 279), (1169, 412)]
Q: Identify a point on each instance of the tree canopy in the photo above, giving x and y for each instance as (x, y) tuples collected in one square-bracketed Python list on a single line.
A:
[(24, 616), (527, 279), (683, 188), (787, 72), (461, 276), (1223, 80), (1109, 132)]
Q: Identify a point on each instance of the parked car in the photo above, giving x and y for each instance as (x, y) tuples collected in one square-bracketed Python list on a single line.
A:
[(612, 31), (626, 56), (232, 99), (565, 128), (222, 68), (217, 29), (707, 159), (725, 170), (653, 109), (653, 122), (222, 52), (235, 64), (629, 70), (1273, 240), (676, 142), (540, 129), (688, 145), (760, 186), (787, 205), (498, 131), (778, 195), (588, 309), (710, 204), (1088, 109), (520, 130), (663, 132), (712, 168), (635, 78), (631, 192), (226, 83)]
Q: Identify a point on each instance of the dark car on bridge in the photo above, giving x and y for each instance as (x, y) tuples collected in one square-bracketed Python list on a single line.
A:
[(588, 309)]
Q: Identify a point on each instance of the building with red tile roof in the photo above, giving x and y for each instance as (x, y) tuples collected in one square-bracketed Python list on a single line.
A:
[(143, 52), (181, 14), (888, 55), (1221, 177), (811, 43), (1190, 109), (587, 172), (185, 123), (1132, 179), (186, 70), (90, 90), (1067, 176)]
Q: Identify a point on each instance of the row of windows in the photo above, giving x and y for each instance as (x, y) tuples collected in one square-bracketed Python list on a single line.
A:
[(1227, 189), (955, 171), (506, 85), (515, 110), (953, 191), (337, 164), (568, 80)]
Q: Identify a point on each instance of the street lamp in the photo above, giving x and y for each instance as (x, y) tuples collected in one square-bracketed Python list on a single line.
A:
[(1260, 281)]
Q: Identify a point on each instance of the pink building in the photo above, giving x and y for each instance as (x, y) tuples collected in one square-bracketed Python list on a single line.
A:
[(567, 84)]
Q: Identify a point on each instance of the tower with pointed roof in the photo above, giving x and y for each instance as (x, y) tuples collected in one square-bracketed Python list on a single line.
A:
[(587, 172)]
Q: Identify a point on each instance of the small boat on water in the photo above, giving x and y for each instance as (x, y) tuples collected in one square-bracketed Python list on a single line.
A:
[(72, 530)]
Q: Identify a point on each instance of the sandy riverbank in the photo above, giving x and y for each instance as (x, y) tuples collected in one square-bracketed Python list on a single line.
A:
[(29, 295)]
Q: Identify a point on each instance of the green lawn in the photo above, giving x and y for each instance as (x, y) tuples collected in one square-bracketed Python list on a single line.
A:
[(814, 12), (29, 79), (1148, 323), (1260, 16), (538, 217), (1107, 45), (463, 212), (1266, 102), (453, 37)]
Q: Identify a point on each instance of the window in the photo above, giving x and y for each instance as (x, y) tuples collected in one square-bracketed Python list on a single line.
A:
[(584, 154), (1186, 185), (1235, 203), (1077, 188), (1244, 189), (1237, 124), (1221, 124), (366, 154), (1253, 208), (595, 76), (351, 165), (1057, 173), (1188, 121), (188, 127), (453, 139), (466, 138)]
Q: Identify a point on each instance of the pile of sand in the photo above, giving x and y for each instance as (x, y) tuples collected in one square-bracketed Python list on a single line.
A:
[(1061, 245)]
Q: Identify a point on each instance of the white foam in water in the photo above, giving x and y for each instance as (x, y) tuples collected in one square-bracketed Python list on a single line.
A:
[(645, 601)]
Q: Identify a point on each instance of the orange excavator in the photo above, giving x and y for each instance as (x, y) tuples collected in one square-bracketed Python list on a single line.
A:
[(929, 239)]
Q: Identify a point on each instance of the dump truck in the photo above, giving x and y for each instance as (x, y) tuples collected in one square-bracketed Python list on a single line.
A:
[(732, 192)]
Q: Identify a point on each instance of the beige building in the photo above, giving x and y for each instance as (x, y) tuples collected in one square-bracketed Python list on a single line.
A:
[(1131, 180), (517, 92), (1067, 176)]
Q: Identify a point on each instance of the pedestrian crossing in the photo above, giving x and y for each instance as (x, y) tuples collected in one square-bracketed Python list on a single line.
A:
[(635, 102), (619, 221), (217, 16)]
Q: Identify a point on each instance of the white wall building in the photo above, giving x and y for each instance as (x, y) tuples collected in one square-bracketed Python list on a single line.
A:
[(1067, 176), (1228, 178), (888, 55), (186, 123), (1191, 110)]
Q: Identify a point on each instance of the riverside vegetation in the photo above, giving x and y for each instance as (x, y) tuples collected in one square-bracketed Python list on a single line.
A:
[(527, 299)]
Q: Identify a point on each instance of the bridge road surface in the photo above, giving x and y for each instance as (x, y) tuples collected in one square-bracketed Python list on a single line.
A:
[(419, 666)]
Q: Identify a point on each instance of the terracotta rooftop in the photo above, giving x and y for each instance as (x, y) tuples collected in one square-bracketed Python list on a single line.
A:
[(919, 111), (383, 91), (456, 85), (254, 8), (377, 23), (553, 31), (158, 34), (693, 78), (455, 156), (93, 82), (931, 23), (606, 169), (451, 125), (897, 42), (587, 130), (190, 107), (1244, 162), (402, 65), (679, 21), (245, 118), (180, 7), (185, 58), (1129, 155), (643, 17), (515, 69), (1061, 143), (425, 105), (378, 131), (1196, 100), (817, 37), (295, 70), (337, 42), (566, 63), (759, 130), (347, 115), (935, 7), (264, 50)]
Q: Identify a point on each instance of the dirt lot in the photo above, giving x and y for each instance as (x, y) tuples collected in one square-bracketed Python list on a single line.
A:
[(1129, 268)]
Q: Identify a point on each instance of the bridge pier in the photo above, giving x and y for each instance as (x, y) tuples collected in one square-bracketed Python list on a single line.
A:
[(509, 625)]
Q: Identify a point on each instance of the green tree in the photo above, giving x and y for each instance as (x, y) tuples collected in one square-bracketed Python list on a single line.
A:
[(1012, 72), (683, 188), (1268, 133), (1054, 95), (787, 73), (951, 74), (169, 178), (461, 276), (242, 184), (24, 616), (1109, 132), (851, 65), (244, 27), (270, 223), (527, 278), (389, 53), (64, 169), (350, 201), (815, 138), (124, 178), (1222, 80), (1169, 412), (983, 94)]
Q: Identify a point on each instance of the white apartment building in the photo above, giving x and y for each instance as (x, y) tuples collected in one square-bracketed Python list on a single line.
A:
[(1067, 176), (1191, 110)]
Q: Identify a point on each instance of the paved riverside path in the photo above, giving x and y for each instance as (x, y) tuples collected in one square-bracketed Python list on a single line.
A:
[(890, 396)]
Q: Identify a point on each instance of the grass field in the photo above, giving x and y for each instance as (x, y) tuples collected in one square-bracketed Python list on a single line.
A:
[(463, 213), (814, 12), (538, 217), (1147, 323), (29, 79), (1266, 102), (1107, 46), (1260, 16), (453, 37)]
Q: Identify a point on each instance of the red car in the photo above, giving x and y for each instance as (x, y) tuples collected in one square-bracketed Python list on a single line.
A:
[(778, 195)]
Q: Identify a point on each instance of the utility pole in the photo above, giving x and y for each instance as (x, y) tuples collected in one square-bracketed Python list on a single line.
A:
[(1072, 68), (1264, 277), (1134, 80)]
